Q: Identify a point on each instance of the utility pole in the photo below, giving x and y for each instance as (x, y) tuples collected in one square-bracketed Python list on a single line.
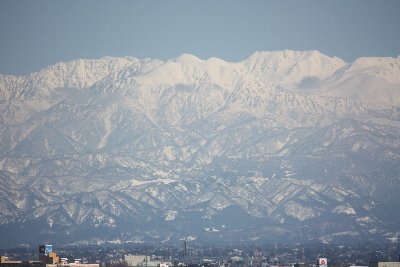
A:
[(145, 259), (184, 253)]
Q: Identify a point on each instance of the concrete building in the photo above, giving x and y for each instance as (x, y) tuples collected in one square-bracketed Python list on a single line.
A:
[(8, 261), (135, 260), (51, 258), (74, 265), (140, 261), (384, 264)]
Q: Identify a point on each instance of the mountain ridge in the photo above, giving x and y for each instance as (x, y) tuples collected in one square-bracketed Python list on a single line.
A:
[(290, 69), (159, 151)]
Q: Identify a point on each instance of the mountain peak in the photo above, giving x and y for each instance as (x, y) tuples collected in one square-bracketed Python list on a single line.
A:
[(289, 68), (287, 54), (188, 58)]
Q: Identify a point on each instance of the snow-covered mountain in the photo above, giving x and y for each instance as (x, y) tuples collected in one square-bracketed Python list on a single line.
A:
[(375, 80), (283, 145), (292, 68)]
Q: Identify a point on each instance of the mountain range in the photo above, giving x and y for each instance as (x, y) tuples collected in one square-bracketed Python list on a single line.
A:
[(284, 146)]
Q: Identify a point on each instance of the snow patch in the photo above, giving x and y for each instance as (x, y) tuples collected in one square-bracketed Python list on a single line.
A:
[(346, 209), (168, 151), (299, 211), (170, 215)]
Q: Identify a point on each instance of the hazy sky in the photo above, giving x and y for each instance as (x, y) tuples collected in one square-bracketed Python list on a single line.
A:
[(39, 33)]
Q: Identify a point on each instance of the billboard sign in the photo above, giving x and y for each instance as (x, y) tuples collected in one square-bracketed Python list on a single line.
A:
[(323, 262), (48, 250)]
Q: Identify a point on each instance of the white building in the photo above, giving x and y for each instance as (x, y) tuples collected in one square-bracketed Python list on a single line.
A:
[(384, 264), (140, 261)]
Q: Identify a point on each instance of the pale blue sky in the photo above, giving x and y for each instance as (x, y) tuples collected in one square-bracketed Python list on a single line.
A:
[(39, 33)]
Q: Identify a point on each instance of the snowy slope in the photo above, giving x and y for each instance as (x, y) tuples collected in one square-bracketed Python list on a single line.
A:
[(121, 148), (292, 68), (375, 80)]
